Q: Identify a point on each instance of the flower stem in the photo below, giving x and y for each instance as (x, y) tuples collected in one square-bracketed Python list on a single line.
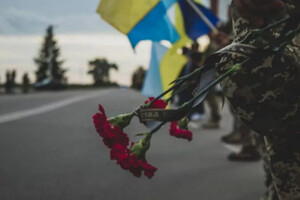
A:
[(178, 82), (235, 68), (157, 128), (190, 102)]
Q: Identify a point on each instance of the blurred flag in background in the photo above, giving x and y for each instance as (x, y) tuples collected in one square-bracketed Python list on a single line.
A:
[(153, 82), (190, 24), (140, 20), (149, 20)]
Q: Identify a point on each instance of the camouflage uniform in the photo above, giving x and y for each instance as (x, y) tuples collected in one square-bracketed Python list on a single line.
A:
[(266, 96)]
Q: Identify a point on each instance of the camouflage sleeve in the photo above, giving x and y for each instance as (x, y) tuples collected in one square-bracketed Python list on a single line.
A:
[(265, 95)]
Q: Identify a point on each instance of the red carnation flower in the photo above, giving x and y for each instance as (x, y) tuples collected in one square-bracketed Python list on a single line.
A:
[(149, 170), (134, 165), (130, 161), (158, 104), (178, 132), (110, 134), (115, 135), (100, 121), (119, 153)]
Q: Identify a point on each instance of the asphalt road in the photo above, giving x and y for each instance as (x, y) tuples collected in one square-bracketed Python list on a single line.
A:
[(49, 150)]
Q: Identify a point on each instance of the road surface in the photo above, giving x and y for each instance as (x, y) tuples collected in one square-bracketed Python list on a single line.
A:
[(49, 150)]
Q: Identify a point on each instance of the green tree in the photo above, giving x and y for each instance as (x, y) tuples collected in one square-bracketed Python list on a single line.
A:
[(99, 68), (48, 62)]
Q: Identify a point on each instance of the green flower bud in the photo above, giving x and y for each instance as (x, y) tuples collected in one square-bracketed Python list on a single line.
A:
[(183, 123), (121, 120), (140, 147)]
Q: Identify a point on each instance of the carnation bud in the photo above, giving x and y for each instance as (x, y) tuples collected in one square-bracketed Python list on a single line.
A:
[(183, 123), (140, 147), (121, 120)]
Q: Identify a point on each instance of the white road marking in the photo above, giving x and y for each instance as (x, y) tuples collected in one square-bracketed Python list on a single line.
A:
[(47, 108)]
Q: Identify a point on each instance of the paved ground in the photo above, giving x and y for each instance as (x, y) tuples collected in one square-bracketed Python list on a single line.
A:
[(50, 150)]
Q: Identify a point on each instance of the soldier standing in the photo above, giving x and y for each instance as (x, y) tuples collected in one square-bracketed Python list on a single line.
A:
[(266, 95), (217, 41)]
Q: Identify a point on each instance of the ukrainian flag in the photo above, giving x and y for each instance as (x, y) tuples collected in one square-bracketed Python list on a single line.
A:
[(140, 19), (173, 62), (152, 85), (190, 26)]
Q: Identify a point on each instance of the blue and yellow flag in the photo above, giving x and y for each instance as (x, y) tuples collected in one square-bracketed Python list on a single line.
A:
[(140, 19), (194, 24), (190, 26), (173, 62), (152, 85)]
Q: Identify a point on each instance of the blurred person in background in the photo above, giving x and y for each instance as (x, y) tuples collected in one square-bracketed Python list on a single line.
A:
[(25, 83), (13, 81), (7, 82), (195, 58), (138, 78), (217, 41)]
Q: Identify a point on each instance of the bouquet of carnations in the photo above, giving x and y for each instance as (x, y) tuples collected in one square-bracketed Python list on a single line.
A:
[(153, 113)]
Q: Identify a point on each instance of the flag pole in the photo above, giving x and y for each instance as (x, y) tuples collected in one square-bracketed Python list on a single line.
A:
[(203, 17)]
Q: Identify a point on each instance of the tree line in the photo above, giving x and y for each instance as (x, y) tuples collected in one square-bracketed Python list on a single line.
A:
[(50, 73)]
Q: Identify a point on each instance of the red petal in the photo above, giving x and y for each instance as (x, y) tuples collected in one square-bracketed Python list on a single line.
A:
[(101, 109), (180, 133), (158, 104), (118, 152), (149, 170)]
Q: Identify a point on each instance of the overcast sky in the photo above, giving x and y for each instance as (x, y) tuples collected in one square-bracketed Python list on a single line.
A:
[(81, 34), (31, 16)]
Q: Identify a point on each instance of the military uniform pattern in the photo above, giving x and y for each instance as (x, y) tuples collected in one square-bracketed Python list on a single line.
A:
[(284, 162), (259, 143), (265, 94)]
